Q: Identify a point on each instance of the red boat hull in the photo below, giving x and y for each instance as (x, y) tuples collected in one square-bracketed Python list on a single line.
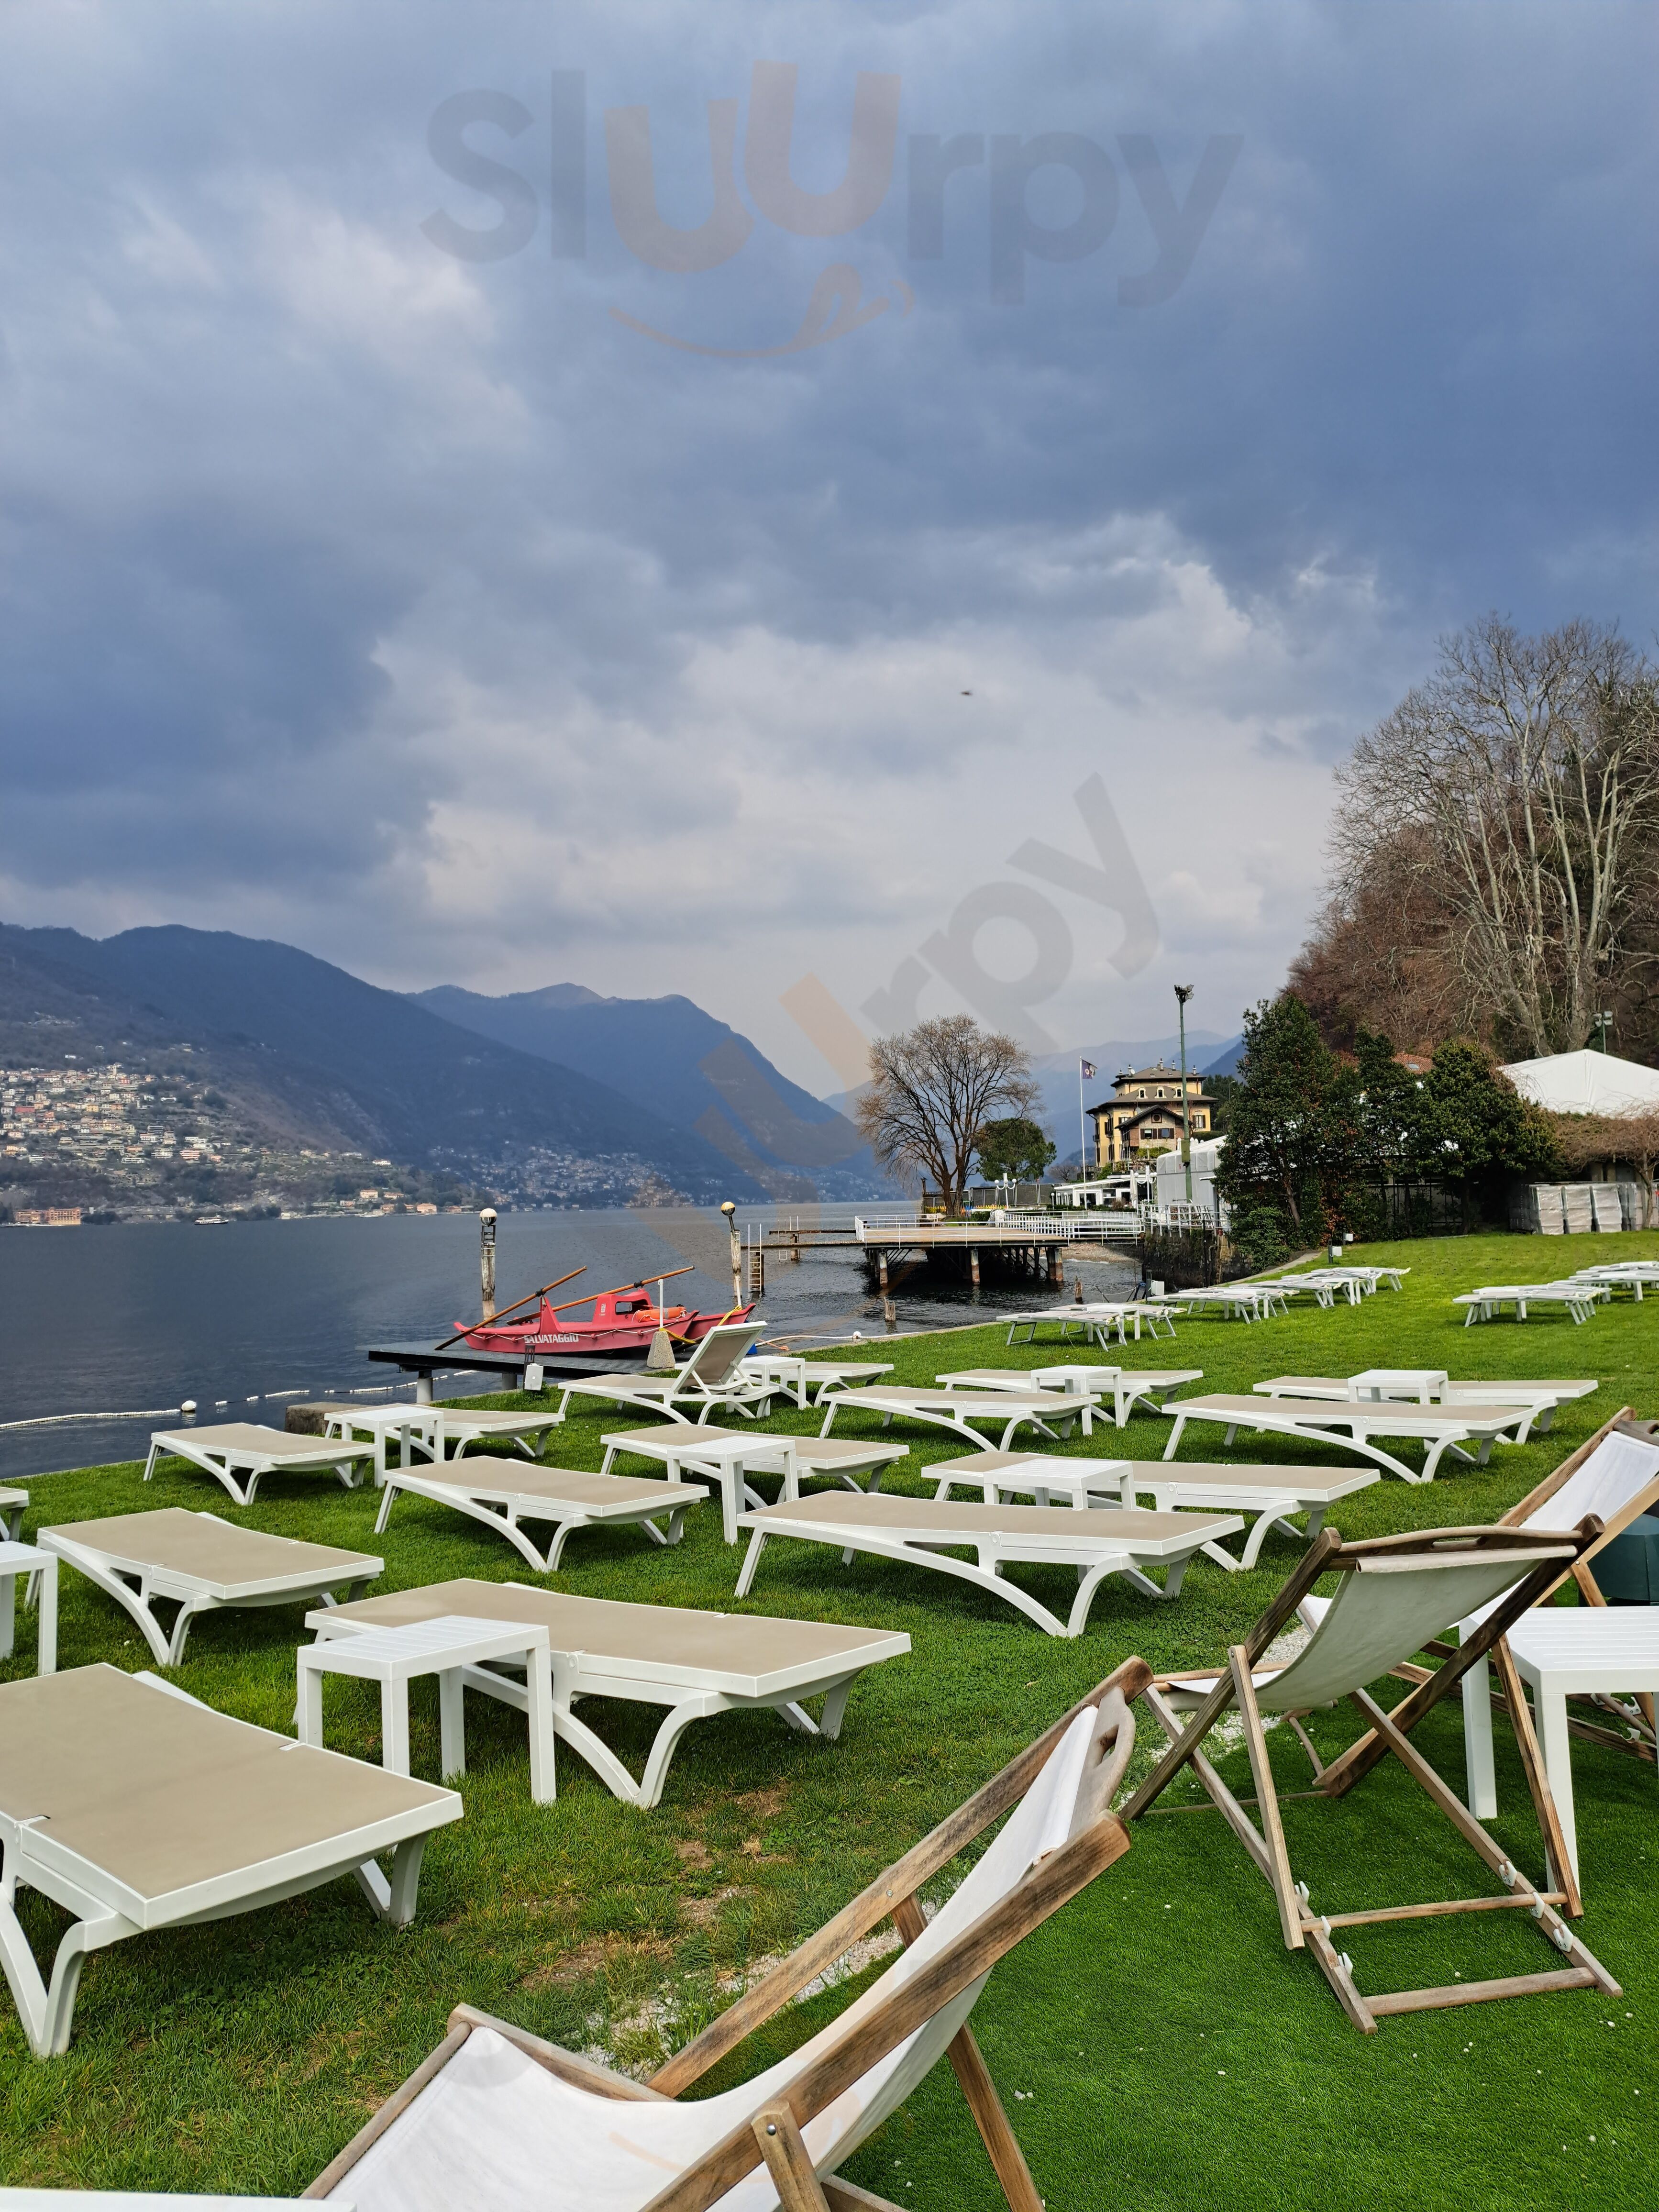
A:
[(618, 1324)]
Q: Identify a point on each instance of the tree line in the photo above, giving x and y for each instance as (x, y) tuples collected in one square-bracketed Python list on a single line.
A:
[(1315, 1137)]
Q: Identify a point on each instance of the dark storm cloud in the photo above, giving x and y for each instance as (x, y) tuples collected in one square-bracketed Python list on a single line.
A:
[(372, 594)]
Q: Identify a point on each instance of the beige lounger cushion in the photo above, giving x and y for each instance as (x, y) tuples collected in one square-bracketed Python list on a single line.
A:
[(242, 1439), (218, 1554), (1118, 1528), (165, 1794), (741, 1649), (553, 1486)]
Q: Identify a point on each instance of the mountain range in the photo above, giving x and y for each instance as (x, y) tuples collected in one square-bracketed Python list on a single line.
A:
[(555, 1096), (669, 1057), (299, 1054)]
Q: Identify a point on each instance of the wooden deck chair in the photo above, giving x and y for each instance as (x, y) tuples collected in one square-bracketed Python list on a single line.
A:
[(1396, 1592), (1614, 1475), (498, 2121)]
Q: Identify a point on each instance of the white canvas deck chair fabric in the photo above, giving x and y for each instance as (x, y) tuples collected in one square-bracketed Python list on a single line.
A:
[(244, 1448), (135, 1807), (712, 1376), (498, 2121), (1396, 1593)]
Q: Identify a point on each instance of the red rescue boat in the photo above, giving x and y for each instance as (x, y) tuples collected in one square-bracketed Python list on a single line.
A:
[(622, 1321)]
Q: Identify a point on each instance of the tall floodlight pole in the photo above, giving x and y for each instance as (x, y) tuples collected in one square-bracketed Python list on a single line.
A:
[(1183, 992)]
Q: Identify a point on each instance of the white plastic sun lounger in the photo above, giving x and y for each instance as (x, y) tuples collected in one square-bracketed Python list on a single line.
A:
[(800, 1377), (503, 1495), (1580, 1299), (202, 1564), (1322, 1289), (1124, 1387), (695, 1663), (1271, 1494), (1431, 1387), (1632, 1275), (1095, 1321), (495, 2118), (1353, 1426), (240, 1447), (1395, 1595), (924, 1533), (728, 1457), (438, 1431), (712, 1376), (136, 1808), (1249, 1301), (957, 1410)]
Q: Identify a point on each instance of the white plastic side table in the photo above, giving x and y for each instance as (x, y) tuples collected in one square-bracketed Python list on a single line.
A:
[(28, 1560), (1563, 1652), (14, 1505), (1421, 1384), (720, 1455), (394, 1656)]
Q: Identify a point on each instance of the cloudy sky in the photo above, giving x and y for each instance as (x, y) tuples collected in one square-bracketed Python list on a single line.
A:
[(499, 495)]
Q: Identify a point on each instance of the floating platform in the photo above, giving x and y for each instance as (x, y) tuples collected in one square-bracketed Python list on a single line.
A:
[(424, 1361)]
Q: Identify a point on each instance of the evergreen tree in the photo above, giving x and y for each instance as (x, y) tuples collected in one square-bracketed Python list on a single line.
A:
[(1473, 1124), (1294, 1136)]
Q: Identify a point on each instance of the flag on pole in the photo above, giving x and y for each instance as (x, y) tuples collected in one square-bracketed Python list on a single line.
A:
[(1087, 1069)]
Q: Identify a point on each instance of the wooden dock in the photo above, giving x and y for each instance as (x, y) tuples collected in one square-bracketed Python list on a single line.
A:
[(892, 1238)]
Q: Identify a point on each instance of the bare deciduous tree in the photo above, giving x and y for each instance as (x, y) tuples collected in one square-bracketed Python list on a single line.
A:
[(1518, 790), (933, 1088)]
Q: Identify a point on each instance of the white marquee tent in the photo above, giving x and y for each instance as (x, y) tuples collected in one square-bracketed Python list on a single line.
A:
[(1587, 1083)]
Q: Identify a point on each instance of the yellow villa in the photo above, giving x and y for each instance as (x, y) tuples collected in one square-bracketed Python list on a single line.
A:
[(1145, 1114)]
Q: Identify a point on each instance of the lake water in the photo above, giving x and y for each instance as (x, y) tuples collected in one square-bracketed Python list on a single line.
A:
[(135, 1318)]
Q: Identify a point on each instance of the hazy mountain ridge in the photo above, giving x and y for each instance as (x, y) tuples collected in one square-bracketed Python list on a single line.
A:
[(669, 1055), (307, 1054)]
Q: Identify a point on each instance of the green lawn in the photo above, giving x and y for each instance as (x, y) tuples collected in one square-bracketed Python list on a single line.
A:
[(1171, 2052)]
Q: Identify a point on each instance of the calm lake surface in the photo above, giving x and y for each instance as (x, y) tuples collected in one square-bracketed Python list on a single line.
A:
[(135, 1318)]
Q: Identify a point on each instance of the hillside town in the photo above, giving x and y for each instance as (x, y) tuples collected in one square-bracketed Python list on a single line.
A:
[(81, 1143)]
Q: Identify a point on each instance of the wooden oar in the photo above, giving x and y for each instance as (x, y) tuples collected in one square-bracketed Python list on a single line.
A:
[(556, 1283), (638, 1284)]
